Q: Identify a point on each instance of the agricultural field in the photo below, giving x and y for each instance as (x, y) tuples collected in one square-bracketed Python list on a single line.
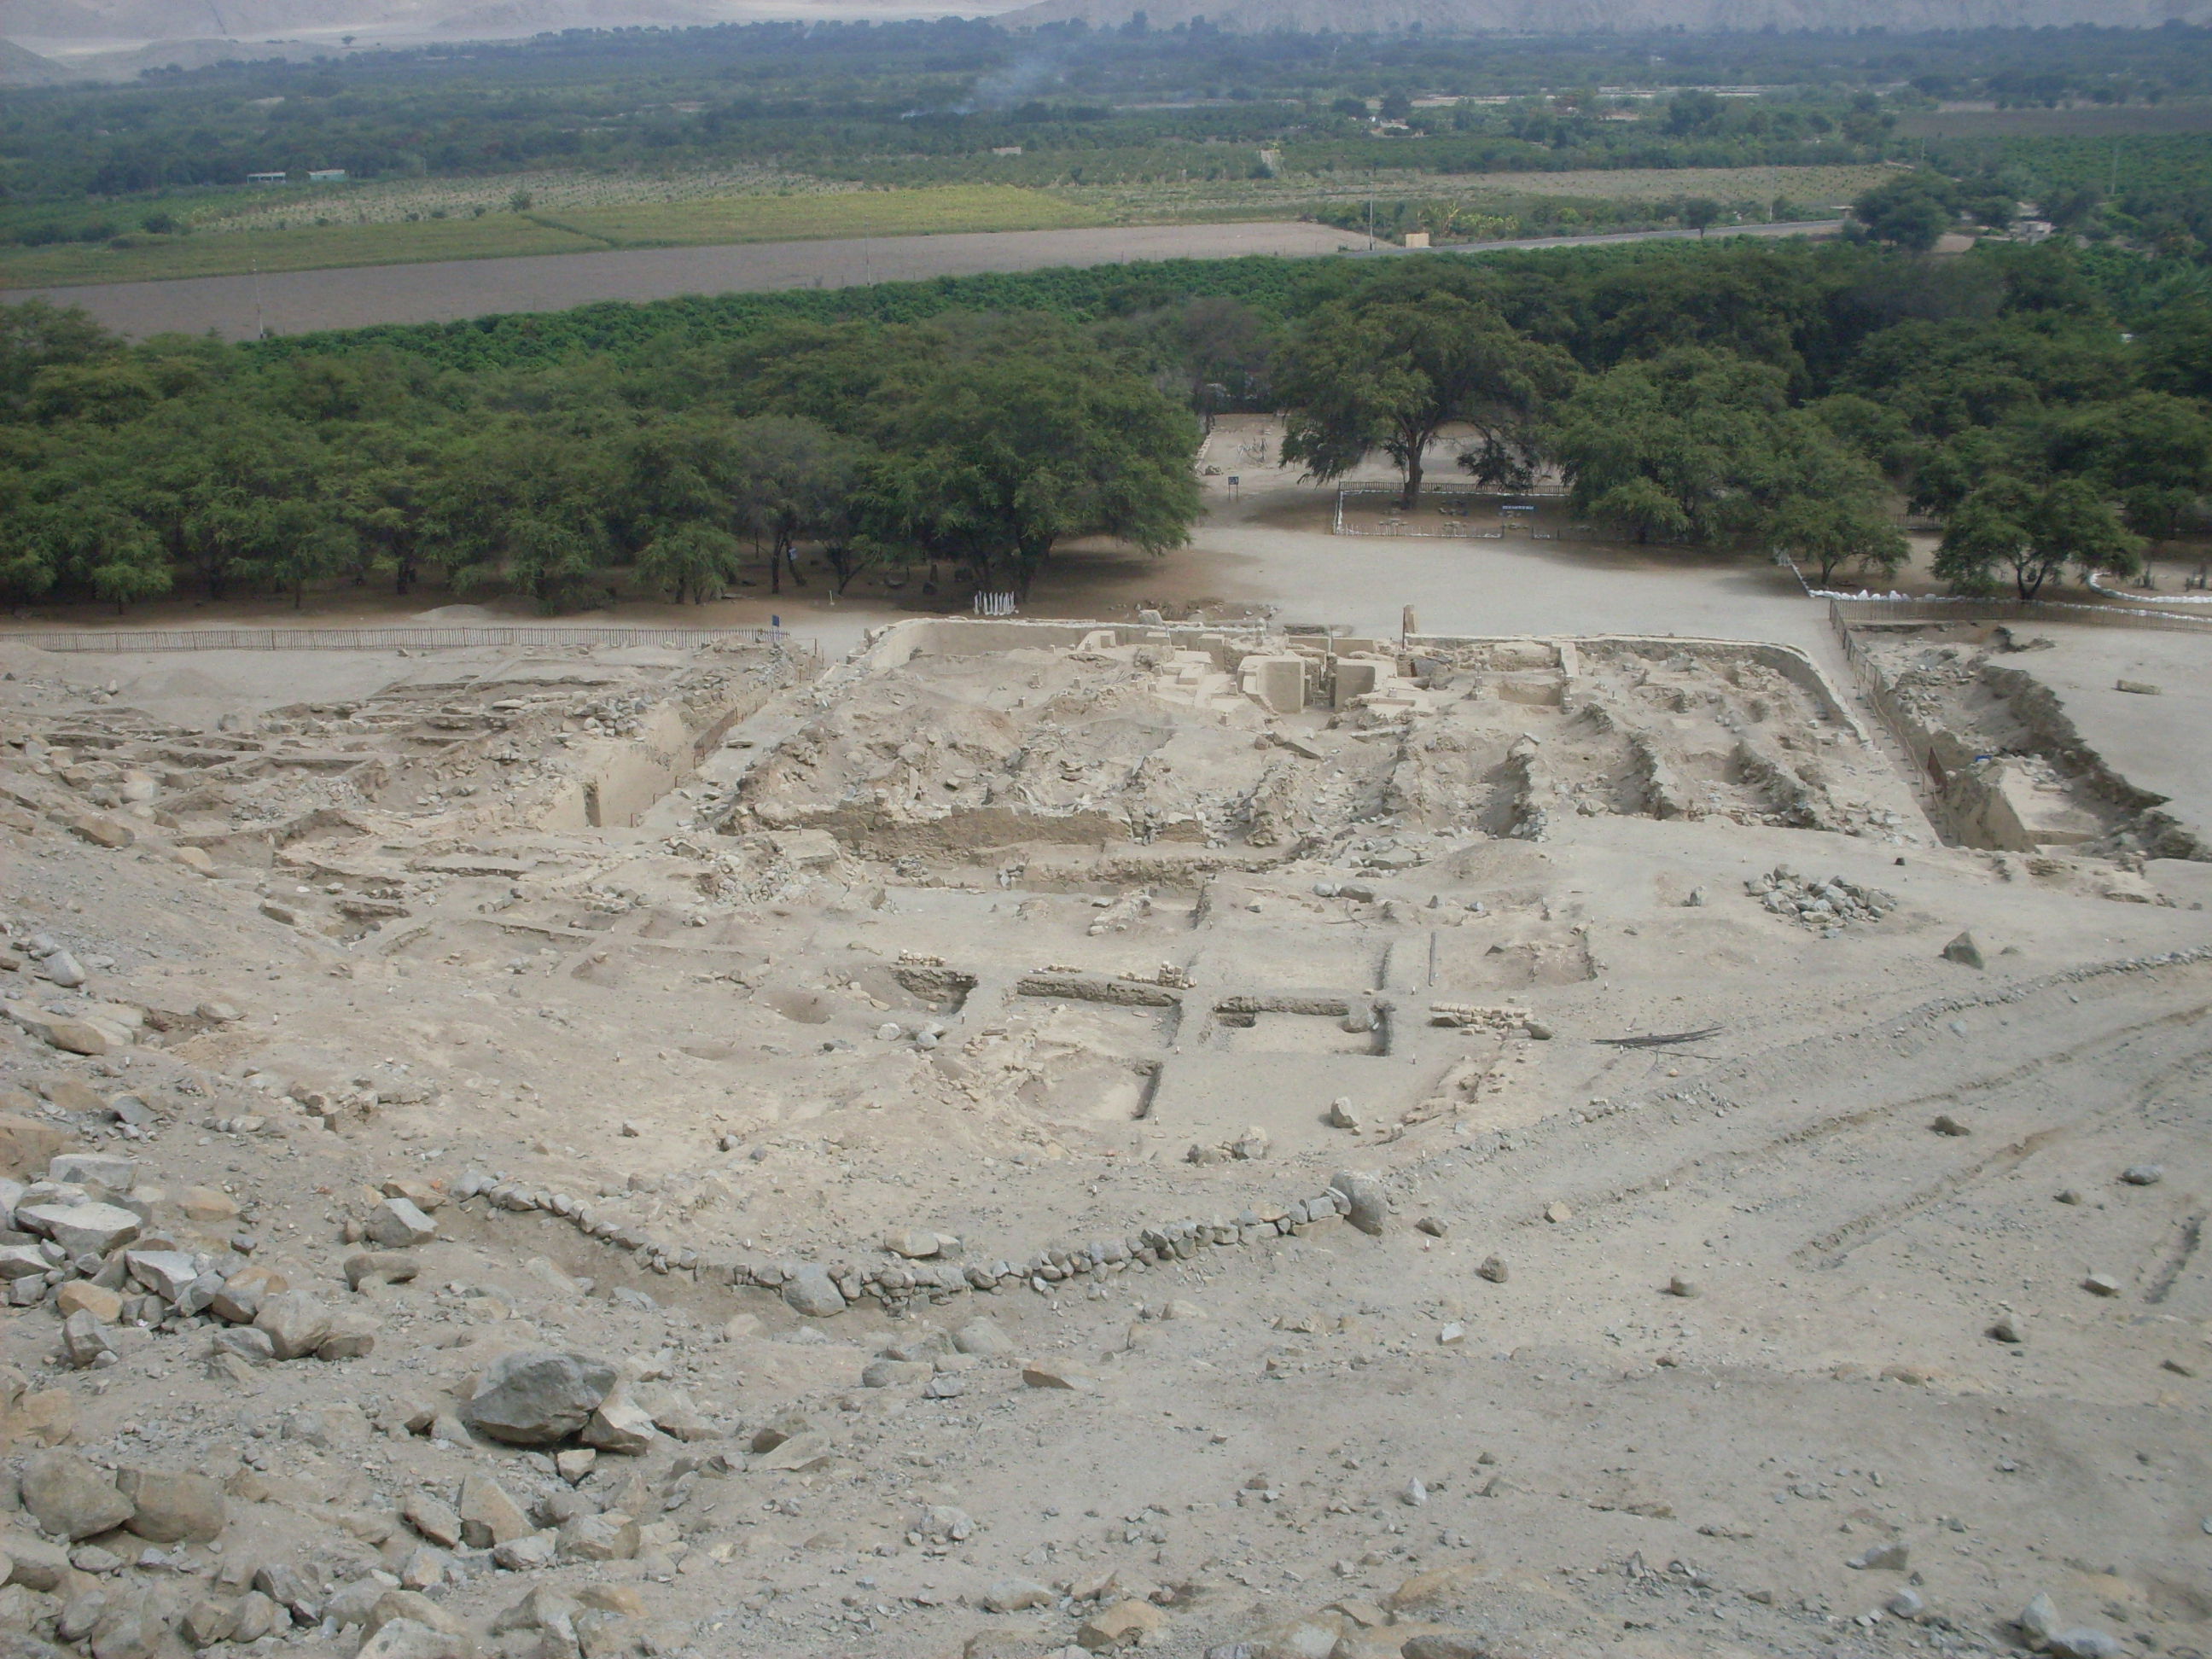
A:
[(302, 247), (2080, 121), (559, 192), (289, 244), (809, 217), (1820, 187), (410, 222)]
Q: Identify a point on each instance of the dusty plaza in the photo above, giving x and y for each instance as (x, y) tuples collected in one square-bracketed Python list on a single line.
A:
[(1473, 1098)]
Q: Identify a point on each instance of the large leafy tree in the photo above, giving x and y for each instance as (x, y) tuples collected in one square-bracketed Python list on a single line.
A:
[(792, 477), (1701, 446), (690, 560), (1673, 448), (2033, 531), (1911, 210), (1393, 370), (526, 506), (1000, 460)]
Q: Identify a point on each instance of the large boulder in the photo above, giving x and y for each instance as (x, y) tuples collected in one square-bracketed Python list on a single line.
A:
[(70, 1498), (79, 1229), (537, 1396), (294, 1321), (812, 1291), (171, 1509)]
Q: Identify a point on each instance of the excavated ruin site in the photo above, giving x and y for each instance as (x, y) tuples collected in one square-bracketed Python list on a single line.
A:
[(1047, 1139)]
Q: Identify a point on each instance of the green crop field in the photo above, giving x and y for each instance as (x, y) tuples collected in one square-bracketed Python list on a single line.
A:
[(301, 247), (806, 217), (224, 251)]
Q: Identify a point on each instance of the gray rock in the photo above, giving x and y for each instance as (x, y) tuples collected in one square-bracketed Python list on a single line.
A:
[(101, 1169), (257, 1614), (289, 1587), (79, 1229), (1493, 1269), (2101, 1285), (897, 1373), (619, 1424), (294, 1321), (71, 1498), (406, 1639), (436, 1521), (1365, 1206), (537, 1396), (1964, 951), (84, 1340), (165, 1273), (612, 1536), (2143, 1174), (983, 1338), (2082, 1643), (207, 1621), (1905, 1604), (379, 1267), (2009, 1328), (397, 1224), (1017, 1595), (1881, 1558), (254, 1346), (528, 1552), (812, 1291), (489, 1515), (173, 1507)]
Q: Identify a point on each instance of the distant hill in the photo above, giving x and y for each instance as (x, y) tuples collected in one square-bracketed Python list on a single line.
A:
[(254, 22), (19, 68), (1593, 16)]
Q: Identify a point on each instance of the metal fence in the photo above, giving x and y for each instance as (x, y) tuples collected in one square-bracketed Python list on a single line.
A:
[(125, 639), (1844, 612), (1388, 525)]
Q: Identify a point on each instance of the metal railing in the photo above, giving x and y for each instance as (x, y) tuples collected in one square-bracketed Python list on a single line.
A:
[(1390, 526), (1904, 609), (126, 639)]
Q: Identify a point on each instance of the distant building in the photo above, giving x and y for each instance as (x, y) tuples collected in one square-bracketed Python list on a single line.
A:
[(326, 176), (268, 178)]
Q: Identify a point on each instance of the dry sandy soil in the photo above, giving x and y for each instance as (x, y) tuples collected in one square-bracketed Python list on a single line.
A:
[(1046, 1136)]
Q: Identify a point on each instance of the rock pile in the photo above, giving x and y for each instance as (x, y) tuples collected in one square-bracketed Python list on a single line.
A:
[(1822, 905)]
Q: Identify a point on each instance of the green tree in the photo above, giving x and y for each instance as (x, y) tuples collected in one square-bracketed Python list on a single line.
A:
[(525, 507), (1701, 214), (1392, 370), (690, 560), (2033, 531), (1911, 210), (791, 477), (1672, 448), (996, 461)]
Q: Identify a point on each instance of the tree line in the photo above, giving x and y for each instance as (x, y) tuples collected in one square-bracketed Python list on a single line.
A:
[(1782, 396)]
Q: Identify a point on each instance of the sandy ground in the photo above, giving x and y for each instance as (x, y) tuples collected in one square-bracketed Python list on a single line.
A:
[(1657, 1351)]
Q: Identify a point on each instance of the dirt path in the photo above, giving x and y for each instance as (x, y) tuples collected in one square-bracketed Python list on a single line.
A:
[(299, 302)]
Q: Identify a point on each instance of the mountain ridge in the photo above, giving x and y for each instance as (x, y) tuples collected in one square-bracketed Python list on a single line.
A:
[(1611, 16)]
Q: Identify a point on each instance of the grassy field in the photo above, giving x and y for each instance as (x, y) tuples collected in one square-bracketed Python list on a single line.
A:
[(1819, 187), (595, 212), (302, 247), (803, 218), (230, 253)]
